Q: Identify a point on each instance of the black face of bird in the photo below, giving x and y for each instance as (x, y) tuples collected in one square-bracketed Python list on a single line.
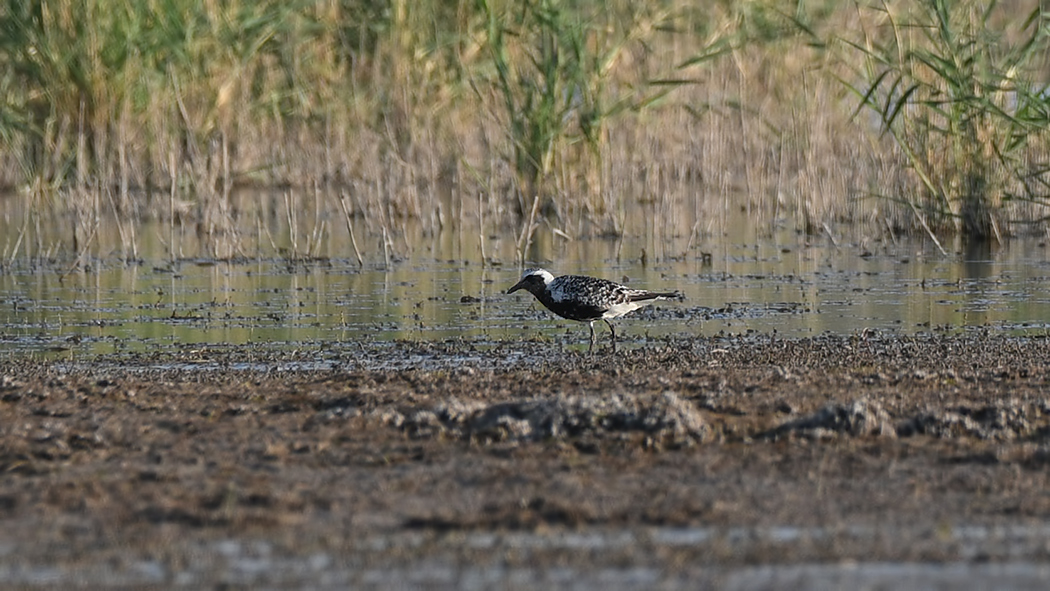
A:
[(532, 283)]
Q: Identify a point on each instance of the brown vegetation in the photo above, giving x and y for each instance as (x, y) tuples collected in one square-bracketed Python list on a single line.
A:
[(507, 118)]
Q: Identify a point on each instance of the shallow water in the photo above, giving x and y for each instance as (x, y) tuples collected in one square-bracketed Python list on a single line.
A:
[(440, 287)]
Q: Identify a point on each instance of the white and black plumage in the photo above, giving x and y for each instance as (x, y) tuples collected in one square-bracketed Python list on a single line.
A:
[(586, 299)]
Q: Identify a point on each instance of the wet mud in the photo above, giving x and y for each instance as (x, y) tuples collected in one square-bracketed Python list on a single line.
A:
[(437, 464)]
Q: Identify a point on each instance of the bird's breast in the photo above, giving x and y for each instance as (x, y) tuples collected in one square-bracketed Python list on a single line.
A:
[(581, 311)]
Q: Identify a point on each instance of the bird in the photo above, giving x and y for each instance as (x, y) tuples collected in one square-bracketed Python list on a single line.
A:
[(586, 299)]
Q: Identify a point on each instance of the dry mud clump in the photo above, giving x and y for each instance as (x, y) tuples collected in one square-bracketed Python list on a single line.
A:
[(665, 418)]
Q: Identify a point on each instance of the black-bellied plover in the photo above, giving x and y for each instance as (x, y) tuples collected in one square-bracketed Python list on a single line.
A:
[(586, 299)]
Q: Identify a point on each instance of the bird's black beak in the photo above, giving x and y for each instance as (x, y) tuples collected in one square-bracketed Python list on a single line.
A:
[(517, 286)]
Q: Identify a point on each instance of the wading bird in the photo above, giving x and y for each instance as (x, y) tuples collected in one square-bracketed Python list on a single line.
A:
[(586, 299)]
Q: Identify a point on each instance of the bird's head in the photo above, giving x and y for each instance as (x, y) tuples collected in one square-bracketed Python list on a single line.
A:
[(534, 281)]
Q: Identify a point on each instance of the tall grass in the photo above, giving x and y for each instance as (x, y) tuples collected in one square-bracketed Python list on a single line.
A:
[(574, 118), (964, 105), (555, 72)]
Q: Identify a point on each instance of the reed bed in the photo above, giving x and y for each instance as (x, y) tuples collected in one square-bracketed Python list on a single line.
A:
[(578, 119)]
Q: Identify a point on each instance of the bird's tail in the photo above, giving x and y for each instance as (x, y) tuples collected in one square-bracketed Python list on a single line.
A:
[(642, 296)]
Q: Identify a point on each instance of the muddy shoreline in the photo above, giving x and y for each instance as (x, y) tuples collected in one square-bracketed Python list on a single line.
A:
[(678, 461)]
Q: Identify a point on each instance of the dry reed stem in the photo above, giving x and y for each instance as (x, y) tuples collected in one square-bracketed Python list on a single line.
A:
[(350, 230), (528, 229)]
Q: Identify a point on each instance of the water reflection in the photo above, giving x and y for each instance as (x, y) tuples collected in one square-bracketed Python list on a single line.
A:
[(978, 260), (440, 286)]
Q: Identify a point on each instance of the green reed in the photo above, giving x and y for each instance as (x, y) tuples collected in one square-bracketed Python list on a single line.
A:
[(551, 114), (552, 65), (964, 106)]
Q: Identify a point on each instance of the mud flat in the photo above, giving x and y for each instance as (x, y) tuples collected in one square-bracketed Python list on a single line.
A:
[(905, 461)]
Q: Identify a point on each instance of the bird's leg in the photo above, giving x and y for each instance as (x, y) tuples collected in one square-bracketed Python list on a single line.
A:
[(591, 348), (613, 330)]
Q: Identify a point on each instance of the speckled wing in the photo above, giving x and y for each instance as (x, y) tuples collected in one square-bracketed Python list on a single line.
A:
[(590, 290), (577, 297), (582, 298)]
